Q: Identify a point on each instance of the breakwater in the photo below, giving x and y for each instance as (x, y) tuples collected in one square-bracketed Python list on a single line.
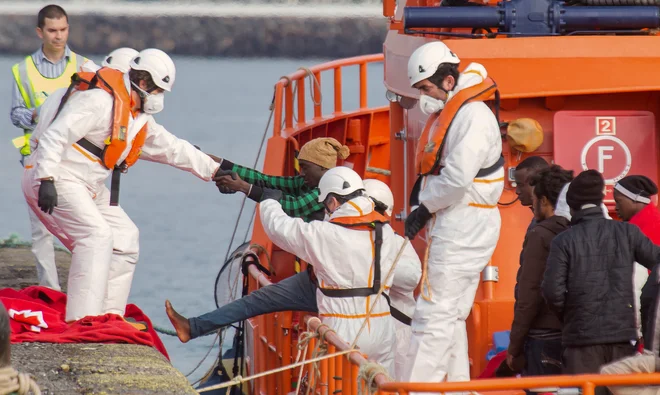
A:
[(218, 30)]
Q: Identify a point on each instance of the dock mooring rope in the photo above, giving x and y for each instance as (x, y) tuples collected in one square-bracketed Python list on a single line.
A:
[(12, 381)]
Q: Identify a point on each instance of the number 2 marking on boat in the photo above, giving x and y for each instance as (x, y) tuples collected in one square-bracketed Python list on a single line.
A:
[(606, 126)]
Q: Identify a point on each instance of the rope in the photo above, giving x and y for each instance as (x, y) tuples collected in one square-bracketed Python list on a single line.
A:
[(256, 161), (303, 343), (313, 82), (21, 383), (426, 284), (368, 373), (238, 380), (380, 291), (377, 170)]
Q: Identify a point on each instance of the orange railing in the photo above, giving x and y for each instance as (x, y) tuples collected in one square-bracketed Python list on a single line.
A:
[(284, 92), (340, 373)]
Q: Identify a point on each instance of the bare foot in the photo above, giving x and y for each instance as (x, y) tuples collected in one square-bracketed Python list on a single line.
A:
[(180, 323)]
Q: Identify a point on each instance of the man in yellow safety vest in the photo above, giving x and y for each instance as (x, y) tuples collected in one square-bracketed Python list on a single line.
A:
[(36, 77)]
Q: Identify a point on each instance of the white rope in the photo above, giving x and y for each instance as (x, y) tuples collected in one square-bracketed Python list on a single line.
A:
[(378, 170), (12, 381), (368, 373)]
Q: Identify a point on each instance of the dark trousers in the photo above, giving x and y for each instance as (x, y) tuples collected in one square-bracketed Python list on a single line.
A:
[(589, 359), (295, 293), (543, 357)]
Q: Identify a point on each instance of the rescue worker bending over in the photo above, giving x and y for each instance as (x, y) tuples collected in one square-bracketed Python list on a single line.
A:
[(459, 161), (102, 128), (300, 198), (298, 292), (351, 254)]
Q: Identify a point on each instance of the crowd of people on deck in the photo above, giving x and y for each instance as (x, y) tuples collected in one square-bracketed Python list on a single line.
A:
[(586, 292)]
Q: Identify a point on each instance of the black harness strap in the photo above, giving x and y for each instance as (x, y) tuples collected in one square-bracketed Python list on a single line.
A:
[(363, 292), (396, 313)]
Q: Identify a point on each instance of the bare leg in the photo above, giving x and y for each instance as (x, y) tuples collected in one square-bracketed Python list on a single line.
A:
[(179, 322)]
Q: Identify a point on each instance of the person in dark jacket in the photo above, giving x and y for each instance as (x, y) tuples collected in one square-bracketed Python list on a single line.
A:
[(535, 340), (588, 280)]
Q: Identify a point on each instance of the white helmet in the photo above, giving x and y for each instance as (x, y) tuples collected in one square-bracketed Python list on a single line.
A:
[(339, 180), (158, 64), (120, 59), (378, 190), (424, 62)]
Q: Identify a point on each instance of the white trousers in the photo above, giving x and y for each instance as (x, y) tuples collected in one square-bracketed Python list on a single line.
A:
[(103, 240), (403, 334), (439, 347), (44, 253)]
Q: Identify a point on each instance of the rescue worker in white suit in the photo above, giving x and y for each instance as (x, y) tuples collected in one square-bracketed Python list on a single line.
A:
[(42, 243), (119, 59), (298, 292), (64, 181), (459, 160), (407, 274), (352, 254)]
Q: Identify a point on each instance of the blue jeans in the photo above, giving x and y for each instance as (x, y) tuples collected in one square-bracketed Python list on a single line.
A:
[(295, 293)]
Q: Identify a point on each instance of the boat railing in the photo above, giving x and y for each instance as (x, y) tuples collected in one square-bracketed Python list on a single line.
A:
[(332, 374), (291, 89)]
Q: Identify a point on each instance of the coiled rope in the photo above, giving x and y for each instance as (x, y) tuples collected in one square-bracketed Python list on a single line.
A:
[(368, 373), (12, 381)]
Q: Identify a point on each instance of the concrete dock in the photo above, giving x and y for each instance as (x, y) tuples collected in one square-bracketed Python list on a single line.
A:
[(88, 368)]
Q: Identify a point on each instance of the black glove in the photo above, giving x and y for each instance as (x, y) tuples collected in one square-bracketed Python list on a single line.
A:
[(416, 221), (274, 194), (223, 188), (221, 173), (47, 196)]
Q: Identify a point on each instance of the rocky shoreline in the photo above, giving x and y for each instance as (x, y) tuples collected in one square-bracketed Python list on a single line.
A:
[(245, 35)]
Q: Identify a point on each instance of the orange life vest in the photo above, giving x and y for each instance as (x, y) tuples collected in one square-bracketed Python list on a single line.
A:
[(432, 140), (111, 81)]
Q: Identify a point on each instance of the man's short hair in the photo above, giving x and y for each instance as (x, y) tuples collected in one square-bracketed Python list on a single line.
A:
[(51, 11), (550, 182), (535, 163)]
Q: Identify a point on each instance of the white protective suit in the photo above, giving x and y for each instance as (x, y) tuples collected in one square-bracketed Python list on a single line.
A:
[(407, 274), (102, 238), (463, 237), (342, 258), (641, 273), (42, 240)]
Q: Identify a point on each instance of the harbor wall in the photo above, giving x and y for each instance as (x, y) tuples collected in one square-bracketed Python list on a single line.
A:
[(244, 35)]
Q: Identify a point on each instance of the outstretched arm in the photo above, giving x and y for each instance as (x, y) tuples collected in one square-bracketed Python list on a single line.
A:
[(162, 146)]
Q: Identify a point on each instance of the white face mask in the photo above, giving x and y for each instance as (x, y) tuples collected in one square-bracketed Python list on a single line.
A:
[(152, 103), (430, 105)]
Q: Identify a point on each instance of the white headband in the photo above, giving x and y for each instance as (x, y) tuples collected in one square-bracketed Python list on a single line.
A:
[(632, 196)]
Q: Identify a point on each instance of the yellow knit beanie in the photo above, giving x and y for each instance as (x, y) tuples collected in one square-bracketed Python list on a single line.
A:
[(323, 152)]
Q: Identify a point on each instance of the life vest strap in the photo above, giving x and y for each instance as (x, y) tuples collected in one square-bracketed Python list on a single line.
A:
[(414, 193), (116, 172), (396, 313), (364, 291), (491, 169)]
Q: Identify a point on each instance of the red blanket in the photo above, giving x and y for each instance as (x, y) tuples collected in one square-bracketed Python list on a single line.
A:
[(38, 316)]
